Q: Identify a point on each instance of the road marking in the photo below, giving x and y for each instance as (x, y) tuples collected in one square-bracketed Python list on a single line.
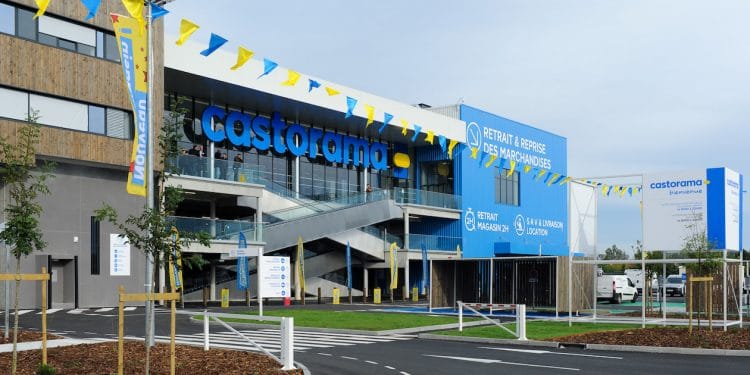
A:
[(49, 311), (326, 354), (549, 352), (488, 361), (389, 367), (21, 312), (76, 311), (130, 308), (352, 358), (372, 362), (404, 373), (105, 309)]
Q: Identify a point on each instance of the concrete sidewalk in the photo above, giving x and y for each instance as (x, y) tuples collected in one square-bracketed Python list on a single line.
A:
[(37, 345)]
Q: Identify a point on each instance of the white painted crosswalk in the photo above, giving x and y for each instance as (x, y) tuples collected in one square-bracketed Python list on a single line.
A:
[(270, 339), (104, 311)]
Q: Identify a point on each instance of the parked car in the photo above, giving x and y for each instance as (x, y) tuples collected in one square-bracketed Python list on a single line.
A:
[(615, 288), (636, 277), (675, 285)]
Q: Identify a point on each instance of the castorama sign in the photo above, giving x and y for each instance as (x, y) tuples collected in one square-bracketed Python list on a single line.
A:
[(679, 205)]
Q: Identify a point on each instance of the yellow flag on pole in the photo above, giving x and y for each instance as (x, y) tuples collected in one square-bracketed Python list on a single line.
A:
[(42, 4), (292, 78), (187, 28), (512, 168), (243, 54), (394, 266), (451, 146), (331, 91), (370, 110)]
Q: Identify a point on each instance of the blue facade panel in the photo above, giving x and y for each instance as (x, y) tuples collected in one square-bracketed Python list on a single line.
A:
[(715, 208), (538, 225)]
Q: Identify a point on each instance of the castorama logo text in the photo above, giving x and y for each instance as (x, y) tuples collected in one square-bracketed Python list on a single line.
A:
[(676, 184)]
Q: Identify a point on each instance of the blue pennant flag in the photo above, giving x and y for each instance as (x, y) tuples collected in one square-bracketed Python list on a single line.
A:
[(213, 44), (268, 67), (243, 272), (350, 104), (157, 11), (92, 6), (501, 164), (481, 157), (313, 85), (424, 267), (546, 179), (417, 130), (348, 265), (442, 142), (387, 117)]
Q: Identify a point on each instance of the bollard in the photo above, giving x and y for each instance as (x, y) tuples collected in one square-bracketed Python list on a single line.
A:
[(460, 317), (205, 331), (521, 322), (319, 296), (287, 344)]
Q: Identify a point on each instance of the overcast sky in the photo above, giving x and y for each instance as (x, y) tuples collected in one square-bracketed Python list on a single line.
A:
[(635, 86)]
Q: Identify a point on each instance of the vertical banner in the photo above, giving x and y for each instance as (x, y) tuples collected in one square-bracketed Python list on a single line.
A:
[(424, 268), (394, 268), (175, 263), (242, 267), (301, 265), (132, 43), (348, 265)]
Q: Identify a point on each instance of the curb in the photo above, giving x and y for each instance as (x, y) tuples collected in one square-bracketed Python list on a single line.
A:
[(619, 348), (400, 331)]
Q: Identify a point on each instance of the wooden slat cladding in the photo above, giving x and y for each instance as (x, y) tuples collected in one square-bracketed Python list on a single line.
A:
[(70, 144), (75, 10), (36, 67)]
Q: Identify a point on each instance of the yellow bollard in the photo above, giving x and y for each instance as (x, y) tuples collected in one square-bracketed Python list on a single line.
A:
[(414, 294), (224, 297), (376, 295), (336, 296)]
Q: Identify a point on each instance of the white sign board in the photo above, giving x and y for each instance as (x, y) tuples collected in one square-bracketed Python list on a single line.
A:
[(674, 208), (582, 220), (119, 256), (275, 277), (732, 209)]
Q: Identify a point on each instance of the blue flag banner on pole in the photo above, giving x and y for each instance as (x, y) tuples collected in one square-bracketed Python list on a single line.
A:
[(442, 142), (313, 85), (424, 267), (268, 67), (417, 130), (214, 43), (387, 117), (157, 11), (92, 6), (243, 273), (350, 104), (348, 265)]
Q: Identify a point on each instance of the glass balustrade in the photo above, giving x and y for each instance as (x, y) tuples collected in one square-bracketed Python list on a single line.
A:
[(443, 243), (427, 198), (219, 229)]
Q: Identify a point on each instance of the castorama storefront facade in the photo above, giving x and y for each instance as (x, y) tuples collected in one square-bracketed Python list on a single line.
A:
[(520, 213)]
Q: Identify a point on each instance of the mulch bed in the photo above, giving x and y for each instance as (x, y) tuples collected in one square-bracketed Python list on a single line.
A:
[(25, 336), (102, 359), (738, 339)]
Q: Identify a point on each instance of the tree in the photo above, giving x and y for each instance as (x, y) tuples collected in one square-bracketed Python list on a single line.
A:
[(26, 181), (613, 253), (150, 231)]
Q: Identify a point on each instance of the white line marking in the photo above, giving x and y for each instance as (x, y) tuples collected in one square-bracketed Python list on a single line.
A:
[(549, 352), (49, 311), (105, 309), (130, 308), (326, 354), (76, 311), (352, 358), (404, 373), (372, 362), (21, 312), (489, 361), (390, 368)]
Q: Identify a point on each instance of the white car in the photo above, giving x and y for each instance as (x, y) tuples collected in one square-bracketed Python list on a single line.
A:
[(675, 286), (615, 288)]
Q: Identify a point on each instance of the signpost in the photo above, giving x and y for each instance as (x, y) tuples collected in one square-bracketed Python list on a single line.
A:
[(273, 278), (119, 256)]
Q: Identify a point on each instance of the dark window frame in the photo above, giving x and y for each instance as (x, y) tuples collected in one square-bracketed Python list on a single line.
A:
[(508, 188)]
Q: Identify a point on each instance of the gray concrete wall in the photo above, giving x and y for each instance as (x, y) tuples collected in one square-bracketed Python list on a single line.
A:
[(76, 191)]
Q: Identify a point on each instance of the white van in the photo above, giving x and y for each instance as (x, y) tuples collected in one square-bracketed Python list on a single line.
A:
[(636, 277), (615, 288)]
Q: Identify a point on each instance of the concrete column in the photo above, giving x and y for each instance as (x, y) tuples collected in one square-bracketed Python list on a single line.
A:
[(212, 214), (406, 229), (212, 291), (259, 220), (406, 248), (406, 276), (295, 177), (366, 283)]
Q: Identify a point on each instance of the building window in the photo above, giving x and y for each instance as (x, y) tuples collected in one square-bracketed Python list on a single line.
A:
[(26, 24), (14, 104), (95, 245), (7, 19), (507, 188), (96, 119), (118, 124)]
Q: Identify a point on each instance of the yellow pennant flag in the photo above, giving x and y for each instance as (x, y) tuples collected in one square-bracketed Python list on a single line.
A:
[(451, 146), (474, 152), (370, 110), (526, 168), (623, 190), (135, 9), (616, 189), (187, 28), (42, 4), (404, 126), (430, 137), (706, 182), (541, 173), (553, 179), (605, 190), (331, 91), (565, 180), (243, 54), (490, 161), (292, 78), (512, 168), (301, 264), (394, 267)]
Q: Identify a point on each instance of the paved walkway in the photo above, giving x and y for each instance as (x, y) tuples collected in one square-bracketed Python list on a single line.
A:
[(36, 345)]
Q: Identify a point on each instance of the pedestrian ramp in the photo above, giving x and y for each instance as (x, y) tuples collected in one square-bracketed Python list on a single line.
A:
[(270, 339)]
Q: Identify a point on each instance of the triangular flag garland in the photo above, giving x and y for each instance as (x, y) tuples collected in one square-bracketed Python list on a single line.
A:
[(313, 84), (268, 67), (370, 111), (417, 130), (511, 169), (187, 28), (243, 55), (526, 168), (441, 142), (404, 127), (331, 91), (43, 4), (134, 8), (93, 7), (387, 117), (350, 104), (451, 146), (430, 137), (474, 152), (156, 12), (482, 155), (292, 78), (213, 44), (491, 160)]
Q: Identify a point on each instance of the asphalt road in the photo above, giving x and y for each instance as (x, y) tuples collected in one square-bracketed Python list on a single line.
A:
[(409, 355)]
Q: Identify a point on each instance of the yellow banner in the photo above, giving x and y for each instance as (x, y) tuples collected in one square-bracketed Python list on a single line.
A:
[(301, 264), (132, 42), (176, 256), (394, 267)]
